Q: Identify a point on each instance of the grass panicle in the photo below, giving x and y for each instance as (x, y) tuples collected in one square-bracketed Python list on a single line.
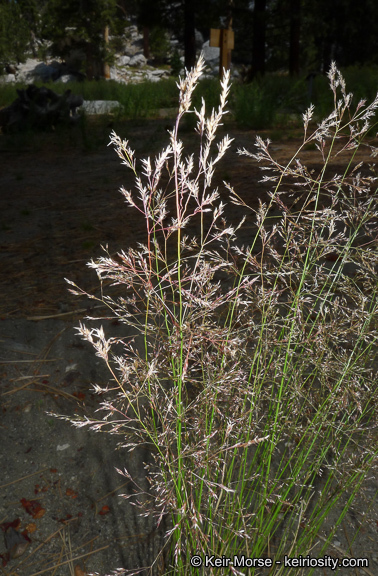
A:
[(252, 374)]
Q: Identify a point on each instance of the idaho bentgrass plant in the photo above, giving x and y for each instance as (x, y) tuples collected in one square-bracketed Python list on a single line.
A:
[(252, 377)]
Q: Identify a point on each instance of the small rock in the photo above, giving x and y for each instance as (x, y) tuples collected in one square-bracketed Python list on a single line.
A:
[(15, 542), (100, 106), (66, 78), (70, 367), (157, 72)]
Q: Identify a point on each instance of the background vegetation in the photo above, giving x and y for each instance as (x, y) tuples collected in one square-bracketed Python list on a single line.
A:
[(270, 35), (272, 101)]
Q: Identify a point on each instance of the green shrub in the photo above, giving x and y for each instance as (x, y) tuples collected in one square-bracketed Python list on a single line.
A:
[(176, 64), (159, 44)]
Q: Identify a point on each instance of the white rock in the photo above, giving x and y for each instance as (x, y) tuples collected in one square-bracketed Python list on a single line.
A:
[(62, 447), (70, 367), (35, 70), (132, 31), (67, 78), (157, 72), (151, 78), (100, 106), (209, 52), (6, 78), (138, 61), (29, 64), (123, 60), (337, 543), (199, 39), (113, 73)]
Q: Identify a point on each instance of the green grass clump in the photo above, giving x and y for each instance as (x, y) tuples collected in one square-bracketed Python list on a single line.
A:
[(249, 373), (269, 101), (8, 93), (254, 107), (276, 100)]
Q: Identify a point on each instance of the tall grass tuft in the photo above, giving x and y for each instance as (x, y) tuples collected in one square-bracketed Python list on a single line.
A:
[(268, 101), (252, 379)]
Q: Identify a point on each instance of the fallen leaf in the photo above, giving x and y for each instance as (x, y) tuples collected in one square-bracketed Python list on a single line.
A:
[(13, 524), (39, 513), (33, 508), (79, 571), (104, 510), (38, 489), (71, 493), (31, 527)]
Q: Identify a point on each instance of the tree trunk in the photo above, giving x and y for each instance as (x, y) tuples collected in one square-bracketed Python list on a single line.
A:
[(106, 68), (146, 42), (90, 66), (295, 32), (258, 40), (189, 34)]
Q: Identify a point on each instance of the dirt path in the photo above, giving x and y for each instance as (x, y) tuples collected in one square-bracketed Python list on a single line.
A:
[(58, 204)]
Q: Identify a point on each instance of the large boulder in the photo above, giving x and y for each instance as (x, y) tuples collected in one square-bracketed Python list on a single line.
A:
[(34, 70), (210, 53)]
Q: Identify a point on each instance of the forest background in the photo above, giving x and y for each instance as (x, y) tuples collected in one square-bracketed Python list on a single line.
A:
[(295, 36)]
